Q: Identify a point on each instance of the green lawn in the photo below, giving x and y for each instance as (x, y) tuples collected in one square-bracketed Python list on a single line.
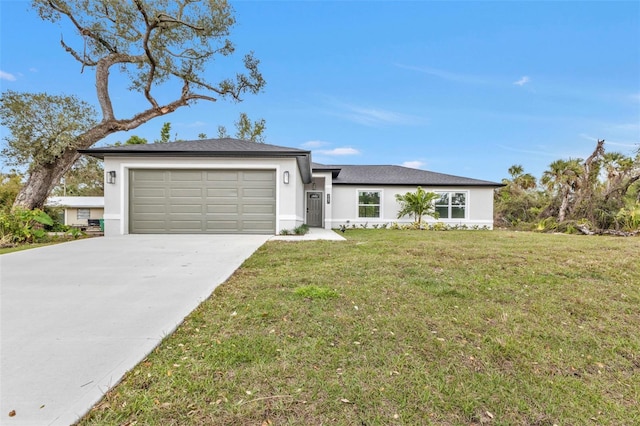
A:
[(22, 247), (405, 327)]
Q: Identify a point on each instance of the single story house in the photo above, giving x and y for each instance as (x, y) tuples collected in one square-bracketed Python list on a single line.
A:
[(78, 210), (235, 186)]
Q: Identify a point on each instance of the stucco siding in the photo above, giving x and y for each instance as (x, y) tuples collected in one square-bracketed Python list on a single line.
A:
[(71, 216), (344, 205)]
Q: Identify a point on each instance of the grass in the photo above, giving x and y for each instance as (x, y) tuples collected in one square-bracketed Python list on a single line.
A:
[(28, 246), (406, 328)]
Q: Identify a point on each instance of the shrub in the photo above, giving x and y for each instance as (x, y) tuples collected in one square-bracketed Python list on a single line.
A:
[(301, 230), (23, 226)]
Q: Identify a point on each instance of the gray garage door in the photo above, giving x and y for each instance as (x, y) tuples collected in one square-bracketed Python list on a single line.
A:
[(202, 201)]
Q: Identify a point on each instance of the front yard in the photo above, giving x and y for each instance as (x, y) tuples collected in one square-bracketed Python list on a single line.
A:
[(407, 328)]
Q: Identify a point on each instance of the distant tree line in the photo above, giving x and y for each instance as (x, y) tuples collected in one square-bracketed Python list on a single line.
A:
[(601, 192)]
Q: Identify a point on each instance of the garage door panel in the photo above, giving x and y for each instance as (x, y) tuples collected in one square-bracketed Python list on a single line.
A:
[(202, 201), (223, 192), (150, 209), (151, 176), (254, 225), (186, 208), (185, 176), (222, 225), (258, 209), (150, 192), (152, 224), (222, 176), (223, 209), (258, 192), (258, 175), (186, 192)]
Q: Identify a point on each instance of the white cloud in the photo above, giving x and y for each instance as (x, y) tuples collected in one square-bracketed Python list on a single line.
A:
[(524, 80), (338, 151), (314, 144), (369, 116), (416, 164), (445, 75), (7, 76), (376, 116), (197, 124)]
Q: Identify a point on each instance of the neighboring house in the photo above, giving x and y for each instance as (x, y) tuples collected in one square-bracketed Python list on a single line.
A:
[(234, 186), (78, 210)]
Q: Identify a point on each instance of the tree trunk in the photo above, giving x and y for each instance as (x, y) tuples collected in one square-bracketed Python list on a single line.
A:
[(42, 180), (563, 206)]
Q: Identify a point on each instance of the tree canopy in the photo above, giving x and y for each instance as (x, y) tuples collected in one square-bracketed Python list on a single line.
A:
[(602, 190), (41, 126), (154, 42), (246, 129)]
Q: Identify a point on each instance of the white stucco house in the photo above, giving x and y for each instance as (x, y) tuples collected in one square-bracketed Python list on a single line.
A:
[(78, 211), (234, 186)]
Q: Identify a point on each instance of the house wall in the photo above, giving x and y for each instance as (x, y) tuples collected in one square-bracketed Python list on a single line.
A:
[(344, 205), (289, 203), (71, 216)]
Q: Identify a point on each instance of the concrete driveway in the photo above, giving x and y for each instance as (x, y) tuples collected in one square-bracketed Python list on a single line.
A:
[(75, 317)]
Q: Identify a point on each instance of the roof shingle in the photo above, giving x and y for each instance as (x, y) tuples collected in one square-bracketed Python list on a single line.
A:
[(222, 147), (397, 175)]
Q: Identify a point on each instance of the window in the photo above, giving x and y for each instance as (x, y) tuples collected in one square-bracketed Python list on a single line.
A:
[(368, 203), (84, 213), (452, 205)]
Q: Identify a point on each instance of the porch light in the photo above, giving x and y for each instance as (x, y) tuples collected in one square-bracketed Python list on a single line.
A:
[(285, 177), (111, 176)]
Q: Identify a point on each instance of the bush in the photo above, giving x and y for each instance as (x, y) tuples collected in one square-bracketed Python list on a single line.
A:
[(23, 226), (301, 230), (629, 219)]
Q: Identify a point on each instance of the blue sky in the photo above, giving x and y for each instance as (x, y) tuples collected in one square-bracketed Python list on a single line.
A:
[(465, 88)]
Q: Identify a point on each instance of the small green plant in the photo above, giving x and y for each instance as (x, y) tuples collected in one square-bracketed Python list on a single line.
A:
[(547, 225), (315, 292), (75, 233), (628, 219), (24, 226), (439, 226), (301, 230), (285, 232)]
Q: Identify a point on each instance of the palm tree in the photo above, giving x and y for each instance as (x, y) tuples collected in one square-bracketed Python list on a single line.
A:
[(563, 178), (418, 204), (520, 181)]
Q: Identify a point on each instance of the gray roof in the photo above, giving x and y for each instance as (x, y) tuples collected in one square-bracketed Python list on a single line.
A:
[(396, 175), (226, 147), (209, 147)]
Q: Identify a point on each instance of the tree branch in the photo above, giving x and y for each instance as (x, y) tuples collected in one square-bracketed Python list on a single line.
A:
[(145, 44), (83, 31), (83, 60), (102, 80)]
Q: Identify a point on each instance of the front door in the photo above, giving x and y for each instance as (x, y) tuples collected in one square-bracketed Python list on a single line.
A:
[(314, 209)]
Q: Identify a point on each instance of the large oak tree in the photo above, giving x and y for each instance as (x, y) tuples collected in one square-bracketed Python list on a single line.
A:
[(154, 42)]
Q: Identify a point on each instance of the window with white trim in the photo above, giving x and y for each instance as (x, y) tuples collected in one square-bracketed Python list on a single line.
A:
[(84, 213), (452, 205), (369, 203)]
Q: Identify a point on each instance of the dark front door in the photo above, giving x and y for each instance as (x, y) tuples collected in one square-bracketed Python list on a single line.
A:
[(314, 209)]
